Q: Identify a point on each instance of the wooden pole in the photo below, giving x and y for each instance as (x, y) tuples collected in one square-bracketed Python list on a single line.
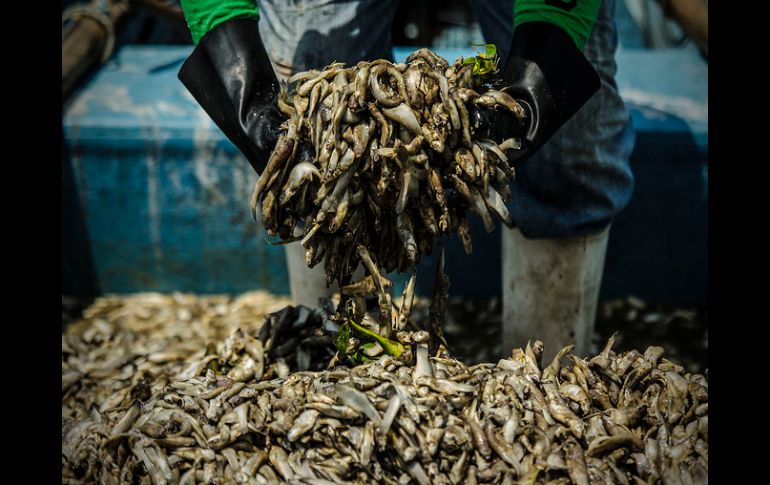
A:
[(83, 46), (693, 17)]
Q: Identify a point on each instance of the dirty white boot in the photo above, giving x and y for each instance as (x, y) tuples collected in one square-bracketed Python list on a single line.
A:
[(550, 290), (307, 284)]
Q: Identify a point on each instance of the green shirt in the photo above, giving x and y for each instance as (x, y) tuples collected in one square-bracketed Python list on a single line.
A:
[(204, 15), (575, 17)]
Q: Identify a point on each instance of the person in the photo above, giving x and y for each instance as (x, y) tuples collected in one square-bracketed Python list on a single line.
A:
[(557, 61)]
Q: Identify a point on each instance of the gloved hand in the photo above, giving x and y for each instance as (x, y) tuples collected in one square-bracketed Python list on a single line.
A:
[(230, 75), (545, 73)]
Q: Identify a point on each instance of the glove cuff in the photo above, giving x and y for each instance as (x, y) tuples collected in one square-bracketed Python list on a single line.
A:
[(550, 77), (230, 75)]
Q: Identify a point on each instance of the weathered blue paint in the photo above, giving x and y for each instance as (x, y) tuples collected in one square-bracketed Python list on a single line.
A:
[(667, 92), (164, 195)]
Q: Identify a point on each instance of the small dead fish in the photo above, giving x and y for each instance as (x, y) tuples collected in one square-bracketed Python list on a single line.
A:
[(403, 115), (280, 461), (301, 173), (358, 401), (444, 386), (302, 424), (493, 97), (383, 95)]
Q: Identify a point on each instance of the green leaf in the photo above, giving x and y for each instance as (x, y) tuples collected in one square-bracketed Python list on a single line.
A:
[(390, 346), (483, 63), (368, 339), (486, 67), (491, 51), (341, 337)]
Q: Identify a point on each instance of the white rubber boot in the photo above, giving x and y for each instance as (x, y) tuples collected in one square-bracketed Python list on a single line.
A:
[(550, 291), (307, 284)]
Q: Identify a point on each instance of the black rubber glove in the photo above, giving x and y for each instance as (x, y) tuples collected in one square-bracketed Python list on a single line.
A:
[(230, 75), (547, 74)]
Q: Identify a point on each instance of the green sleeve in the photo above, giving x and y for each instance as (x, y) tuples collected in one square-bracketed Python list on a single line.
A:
[(575, 17), (204, 15)]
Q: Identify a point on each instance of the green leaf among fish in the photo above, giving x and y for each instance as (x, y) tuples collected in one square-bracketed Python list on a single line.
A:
[(484, 63), (369, 341)]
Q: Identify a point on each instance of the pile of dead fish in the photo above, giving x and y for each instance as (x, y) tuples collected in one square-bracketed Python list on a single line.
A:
[(382, 155), (179, 389)]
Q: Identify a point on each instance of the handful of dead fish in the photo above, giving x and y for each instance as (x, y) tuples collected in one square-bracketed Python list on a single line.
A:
[(180, 389), (383, 155)]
